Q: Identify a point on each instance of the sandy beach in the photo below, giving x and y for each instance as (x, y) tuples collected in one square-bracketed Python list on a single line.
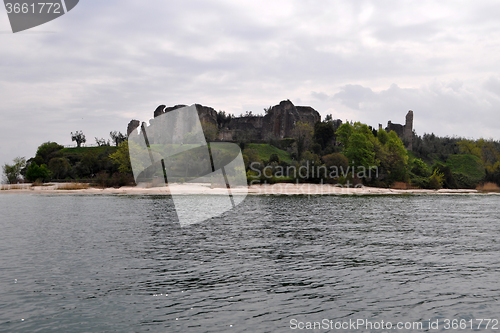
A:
[(200, 188)]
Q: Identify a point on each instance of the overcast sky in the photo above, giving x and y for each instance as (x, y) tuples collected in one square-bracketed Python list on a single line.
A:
[(106, 62)]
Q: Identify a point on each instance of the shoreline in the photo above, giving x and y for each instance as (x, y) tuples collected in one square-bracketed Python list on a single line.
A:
[(206, 189)]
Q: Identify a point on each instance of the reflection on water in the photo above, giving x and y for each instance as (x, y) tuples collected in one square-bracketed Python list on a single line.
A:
[(123, 263)]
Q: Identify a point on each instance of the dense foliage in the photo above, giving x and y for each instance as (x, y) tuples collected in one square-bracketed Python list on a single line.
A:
[(328, 152), (434, 162), (104, 165)]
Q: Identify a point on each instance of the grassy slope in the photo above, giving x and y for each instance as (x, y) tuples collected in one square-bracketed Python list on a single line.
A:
[(265, 151), (469, 165)]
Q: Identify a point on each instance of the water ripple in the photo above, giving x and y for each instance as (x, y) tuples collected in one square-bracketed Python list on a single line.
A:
[(123, 263)]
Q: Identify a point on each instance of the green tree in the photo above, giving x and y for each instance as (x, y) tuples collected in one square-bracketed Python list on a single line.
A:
[(419, 168), (358, 144), (469, 147), (364, 149), (223, 119), (436, 179), (59, 167), (360, 151), (343, 133), (323, 133), (35, 172), (397, 158), (336, 160), (89, 164), (303, 136), (382, 136), (493, 173), (47, 151), (122, 158), (250, 156), (448, 180), (311, 163), (12, 173)]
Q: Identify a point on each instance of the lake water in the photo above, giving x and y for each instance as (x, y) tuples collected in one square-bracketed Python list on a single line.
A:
[(83, 263)]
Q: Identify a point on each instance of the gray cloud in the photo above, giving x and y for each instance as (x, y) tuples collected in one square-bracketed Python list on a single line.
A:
[(453, 108), (110, 61)]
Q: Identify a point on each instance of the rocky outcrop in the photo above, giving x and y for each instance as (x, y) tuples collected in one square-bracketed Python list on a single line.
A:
[(207, 114), (132, 125), (279, 121)]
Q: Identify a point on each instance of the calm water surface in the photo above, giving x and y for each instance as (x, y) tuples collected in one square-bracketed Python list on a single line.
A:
[(72, 263)]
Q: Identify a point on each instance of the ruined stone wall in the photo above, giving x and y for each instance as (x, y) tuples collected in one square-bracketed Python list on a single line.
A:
[(206, 114), (398, 128), (408, 134), (132, 125), (308, 115), (404, 132), (249, 128), (225, 135), (279, 122)]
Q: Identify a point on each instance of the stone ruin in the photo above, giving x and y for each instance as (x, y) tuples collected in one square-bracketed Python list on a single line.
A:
[(404, 132), (278, 122)]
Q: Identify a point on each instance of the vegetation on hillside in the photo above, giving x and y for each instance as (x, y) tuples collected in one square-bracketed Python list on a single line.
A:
[(350, 154), (347, 154), (101, 165)]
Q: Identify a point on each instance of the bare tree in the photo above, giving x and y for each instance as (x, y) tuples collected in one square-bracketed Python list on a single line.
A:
[(117, 137), (79, 137), (101, 142)]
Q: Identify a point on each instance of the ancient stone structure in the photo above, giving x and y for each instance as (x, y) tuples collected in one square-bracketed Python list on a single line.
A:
[(408, 134), (279, 122), (132, 125), (404, 132), (207, 114)]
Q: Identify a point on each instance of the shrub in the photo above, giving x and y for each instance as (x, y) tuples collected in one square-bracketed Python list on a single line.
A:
[(420, 182), (37, 173), (448, 181), (419, 168), (274, 158), (436, 180)]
